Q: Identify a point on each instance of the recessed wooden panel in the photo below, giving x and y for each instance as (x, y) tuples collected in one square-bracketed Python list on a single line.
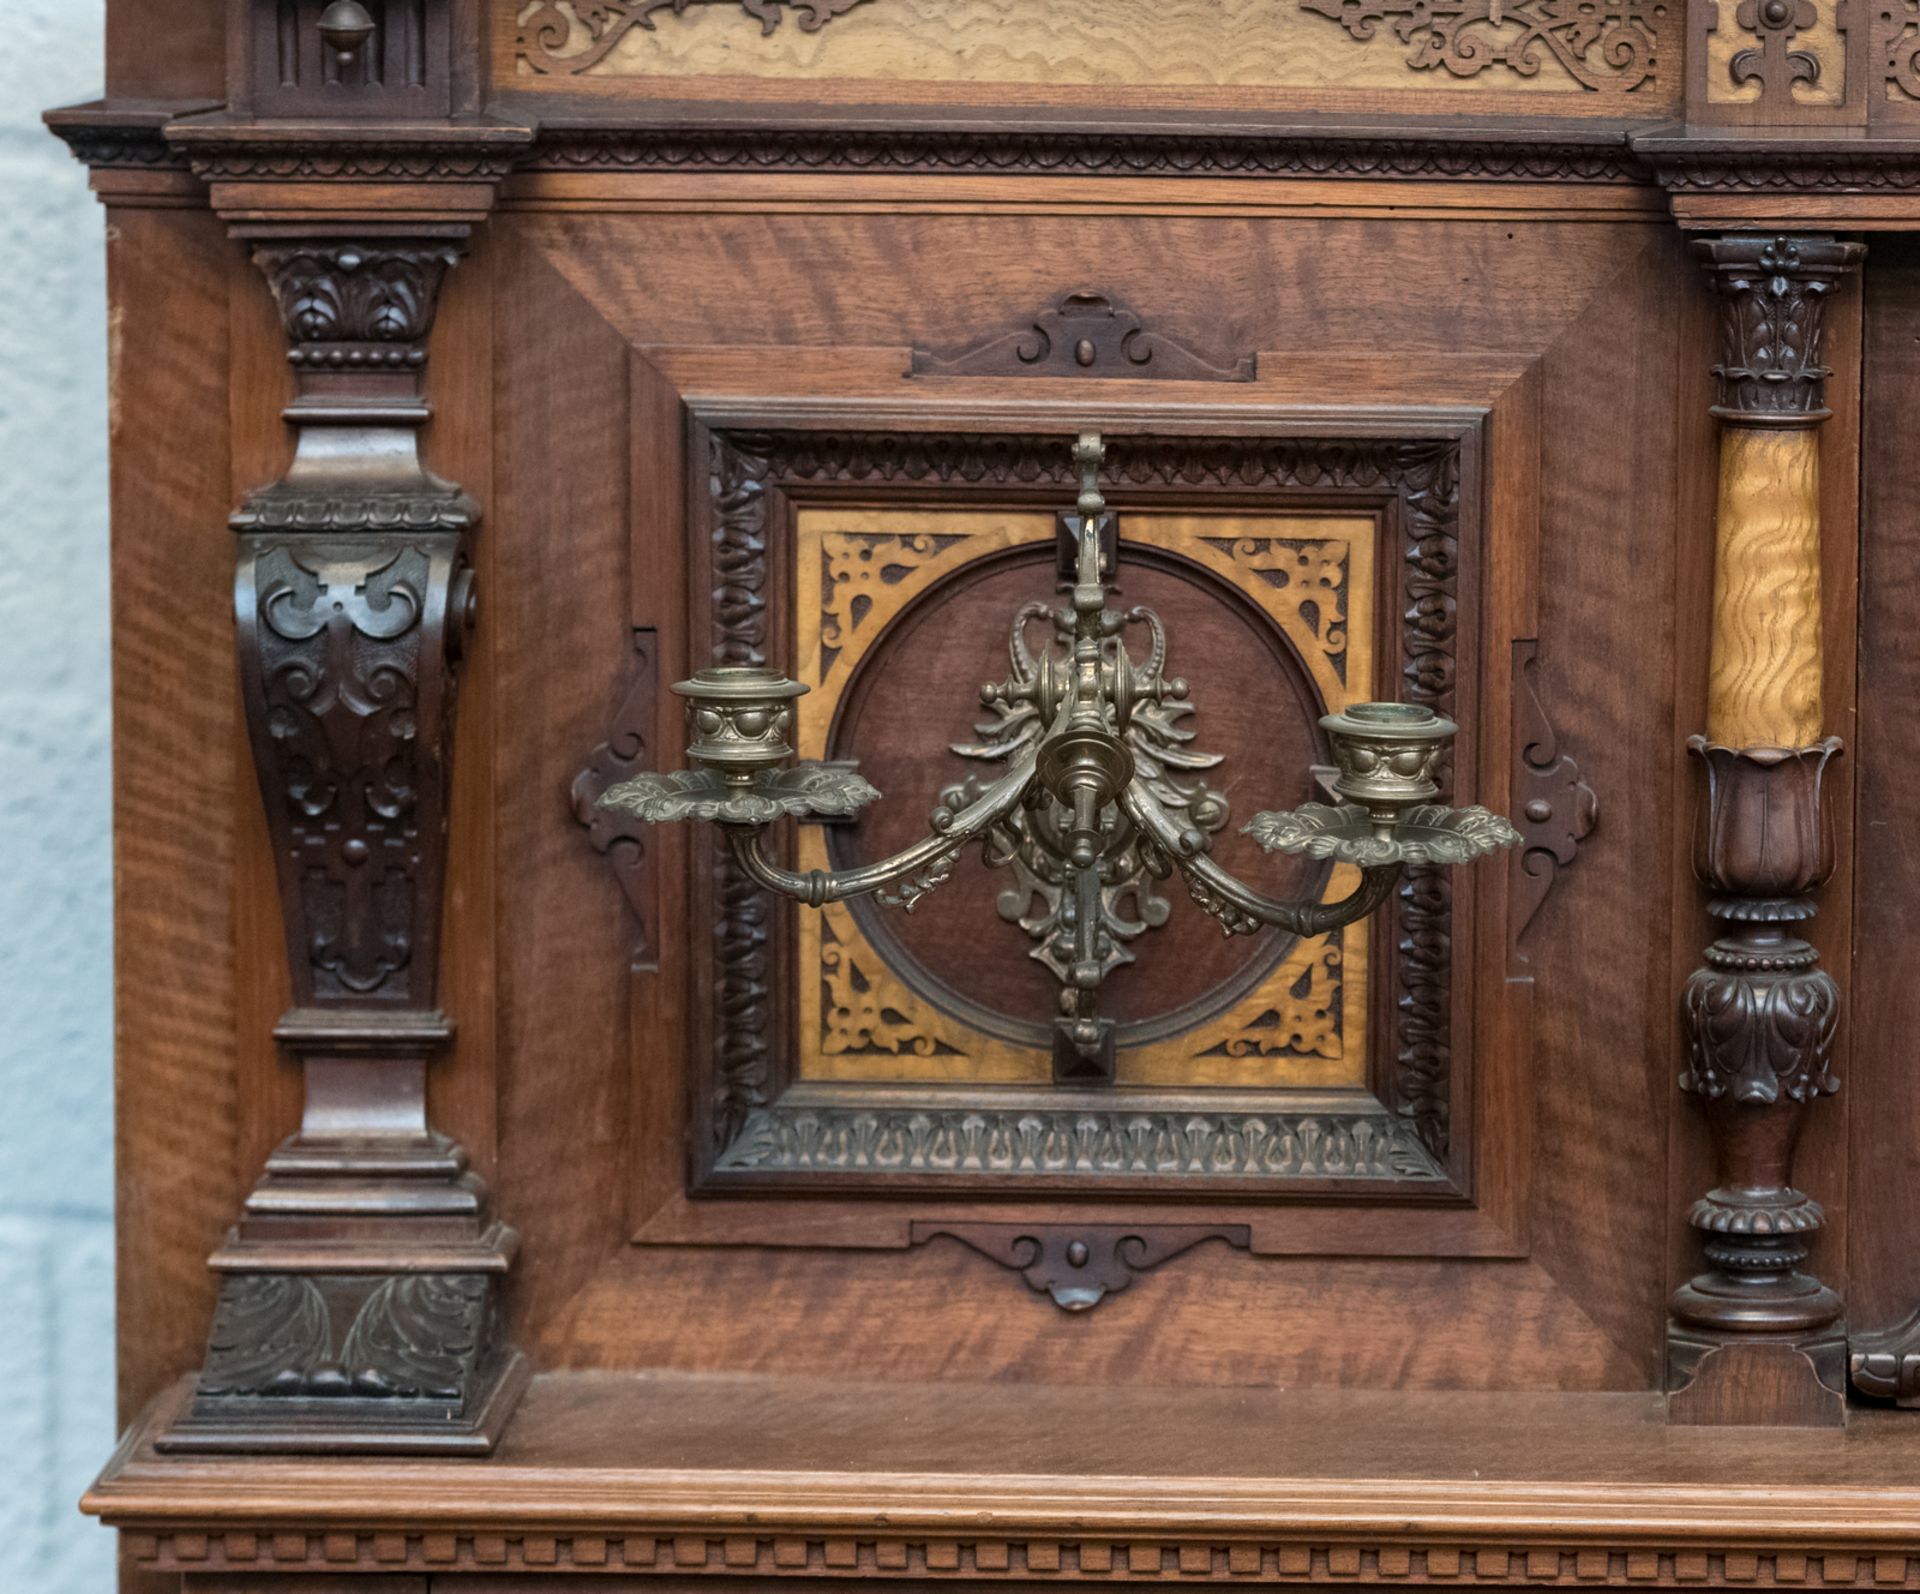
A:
[(899, 615)]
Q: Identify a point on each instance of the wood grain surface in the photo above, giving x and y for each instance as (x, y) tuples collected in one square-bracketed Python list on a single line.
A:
[(1765, 687)]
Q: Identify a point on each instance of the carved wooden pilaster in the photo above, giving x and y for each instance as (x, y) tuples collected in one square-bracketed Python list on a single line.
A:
[(360, 1297), (1754, 1338)]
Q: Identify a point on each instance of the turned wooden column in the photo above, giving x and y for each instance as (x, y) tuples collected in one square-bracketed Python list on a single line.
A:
[(360, 1296), (1755, 1338)]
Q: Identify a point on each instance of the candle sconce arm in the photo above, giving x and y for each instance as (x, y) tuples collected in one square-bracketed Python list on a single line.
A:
[(916, 869)]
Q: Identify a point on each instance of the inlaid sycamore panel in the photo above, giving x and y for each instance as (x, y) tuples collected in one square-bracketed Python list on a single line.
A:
[(1302, 1020), (1533, 48)]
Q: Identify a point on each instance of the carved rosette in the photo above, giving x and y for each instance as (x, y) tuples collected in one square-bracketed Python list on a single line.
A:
[(1773, 293), (353, 595)]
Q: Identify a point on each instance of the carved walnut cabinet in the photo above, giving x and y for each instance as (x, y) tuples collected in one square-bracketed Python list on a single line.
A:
[(1189, 1157)]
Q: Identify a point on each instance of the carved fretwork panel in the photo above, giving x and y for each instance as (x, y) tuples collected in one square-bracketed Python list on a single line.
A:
[(1578, 59), (1357, 593)]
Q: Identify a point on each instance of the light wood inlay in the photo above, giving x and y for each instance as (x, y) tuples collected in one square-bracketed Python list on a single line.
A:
[(1765, 686), (1303, 1025)]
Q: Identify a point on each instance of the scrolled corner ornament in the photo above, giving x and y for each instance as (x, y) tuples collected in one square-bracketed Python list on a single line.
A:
[(573, 36), (1603, 48)]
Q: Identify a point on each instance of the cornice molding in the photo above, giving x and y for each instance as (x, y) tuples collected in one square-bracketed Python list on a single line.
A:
[(1712, 177)]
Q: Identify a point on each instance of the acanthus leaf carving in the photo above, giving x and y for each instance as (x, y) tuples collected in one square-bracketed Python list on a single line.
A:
[(410, 1336), (1773, 292)]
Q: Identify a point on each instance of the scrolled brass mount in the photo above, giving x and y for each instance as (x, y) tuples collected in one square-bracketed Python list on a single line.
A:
[(1085, 729)]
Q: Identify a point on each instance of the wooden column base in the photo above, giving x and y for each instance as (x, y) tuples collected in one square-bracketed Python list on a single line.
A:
[(1754, 1380), (386, 1336), (410, 1364)]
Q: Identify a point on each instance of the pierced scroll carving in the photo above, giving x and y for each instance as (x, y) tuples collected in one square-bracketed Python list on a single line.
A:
[(1773, 62), (1079, 1266), (1086, 334), (1896, 26), (1612, 46), (1557, 808), (571, 36)]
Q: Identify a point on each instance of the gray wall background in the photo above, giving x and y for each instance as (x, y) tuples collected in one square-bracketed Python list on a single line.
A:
[(56, 992)]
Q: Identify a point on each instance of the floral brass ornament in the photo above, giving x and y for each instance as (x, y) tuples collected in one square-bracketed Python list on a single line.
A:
[(570, 36), (1603, 45), (1087, 733)]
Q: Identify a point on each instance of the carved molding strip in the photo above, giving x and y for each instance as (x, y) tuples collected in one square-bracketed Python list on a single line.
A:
[(1075, 1143), (1085, 334), (1094, 152), (571, 36), (107, 140), (1080, 1265), (1572, 1563), (1608, 47), (1422, 481), (1557, 809)]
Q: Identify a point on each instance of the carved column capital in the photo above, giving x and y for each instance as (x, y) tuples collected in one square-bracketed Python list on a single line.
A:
[(1773, 291), (350, 304)]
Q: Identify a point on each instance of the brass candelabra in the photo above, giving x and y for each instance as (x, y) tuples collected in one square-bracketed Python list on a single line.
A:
[(1072, 793)]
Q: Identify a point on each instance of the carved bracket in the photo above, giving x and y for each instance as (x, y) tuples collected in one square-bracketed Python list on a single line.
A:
[(1085, 334), (627, 751), (1080, 1265), (1557, 810)]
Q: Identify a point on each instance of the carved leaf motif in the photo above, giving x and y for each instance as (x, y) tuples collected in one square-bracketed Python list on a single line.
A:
[(270, 1331), (1759, 1036), (1429, 834), (939, 1140), (416, 1336), (805, 790)]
